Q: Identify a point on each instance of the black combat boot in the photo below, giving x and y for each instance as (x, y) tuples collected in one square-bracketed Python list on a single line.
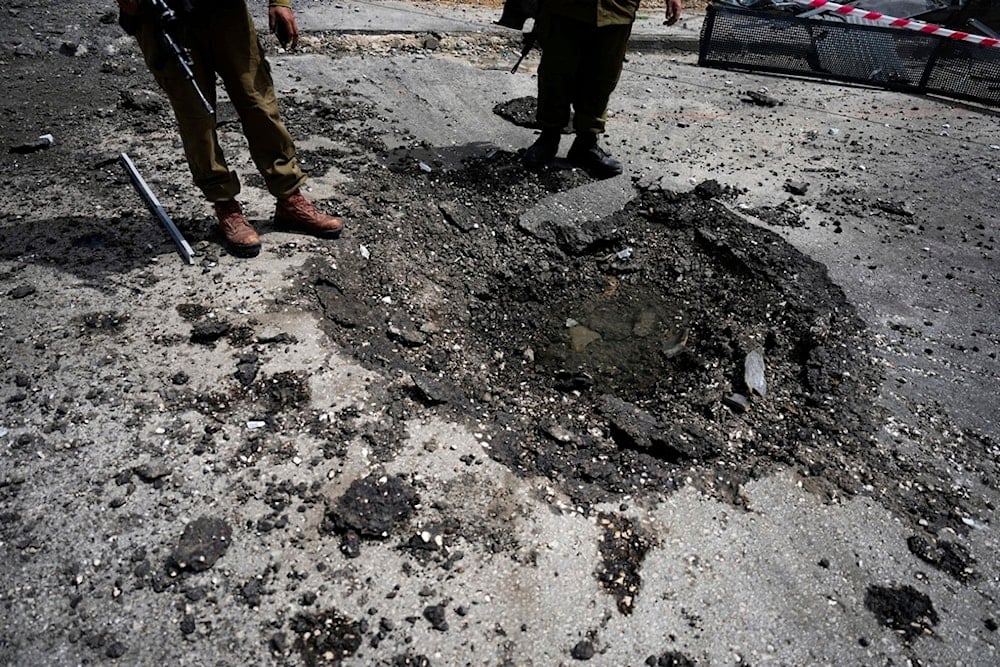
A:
[(543, 150), (587, 155)]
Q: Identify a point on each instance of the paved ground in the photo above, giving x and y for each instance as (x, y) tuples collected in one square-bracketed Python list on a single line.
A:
[(756, 588), (787, 576)]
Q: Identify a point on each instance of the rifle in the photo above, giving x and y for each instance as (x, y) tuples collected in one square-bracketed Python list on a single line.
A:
[(514, 15), (165, 20), (529, 43)]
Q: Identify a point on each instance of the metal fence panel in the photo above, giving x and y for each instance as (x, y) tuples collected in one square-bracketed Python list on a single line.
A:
[(831, 48)]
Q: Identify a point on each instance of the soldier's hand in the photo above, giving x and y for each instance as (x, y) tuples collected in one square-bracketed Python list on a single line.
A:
[(281, 20), (129, 7), (673, 12)]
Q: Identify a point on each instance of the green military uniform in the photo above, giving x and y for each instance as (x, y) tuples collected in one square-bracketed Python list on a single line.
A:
[(224, 42), (583, 48)]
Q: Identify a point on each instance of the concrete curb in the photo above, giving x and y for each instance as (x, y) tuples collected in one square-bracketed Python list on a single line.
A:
[(655, 43), (402, 18), (643, 42)]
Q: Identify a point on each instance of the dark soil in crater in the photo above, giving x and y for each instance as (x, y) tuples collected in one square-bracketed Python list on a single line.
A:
[(669, 343)]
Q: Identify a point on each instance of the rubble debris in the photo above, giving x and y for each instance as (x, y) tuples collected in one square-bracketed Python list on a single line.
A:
[(203, 542), (761, 98), (39, 144), (947, 556), (902, 608), (206, 333), (22, 291), (142, 99), (797, 188), (738, 403), (371, 508), (895, 208), (623, 546), (753, 373), (583, 650)]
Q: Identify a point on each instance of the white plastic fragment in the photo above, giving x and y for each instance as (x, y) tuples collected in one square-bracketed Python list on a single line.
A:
[(753, 373)]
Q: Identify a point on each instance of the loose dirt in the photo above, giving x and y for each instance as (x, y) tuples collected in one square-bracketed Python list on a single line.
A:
[(672, 345)]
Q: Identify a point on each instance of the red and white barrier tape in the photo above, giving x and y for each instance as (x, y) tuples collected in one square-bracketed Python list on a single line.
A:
[(909, 24)]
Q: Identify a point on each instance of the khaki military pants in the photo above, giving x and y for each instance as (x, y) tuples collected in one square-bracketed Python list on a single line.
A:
[(580, 67), (225, 43)]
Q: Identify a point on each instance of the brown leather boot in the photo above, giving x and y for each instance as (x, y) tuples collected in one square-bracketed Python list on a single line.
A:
[(238, 235), (296, 213)]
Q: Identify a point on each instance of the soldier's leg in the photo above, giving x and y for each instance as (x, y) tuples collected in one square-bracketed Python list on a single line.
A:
[(598, 76), (196, 127), (239, 60), (561, 54)]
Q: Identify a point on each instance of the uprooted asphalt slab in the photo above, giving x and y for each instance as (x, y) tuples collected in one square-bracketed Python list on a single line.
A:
[(511, 417)]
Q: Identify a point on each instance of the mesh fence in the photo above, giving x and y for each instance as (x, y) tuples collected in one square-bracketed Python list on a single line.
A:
[(831, 48)]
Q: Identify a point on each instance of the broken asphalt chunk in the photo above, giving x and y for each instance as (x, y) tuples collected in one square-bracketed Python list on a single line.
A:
[(631, 426), (457, 215), (33, 146), (903, 608), (572, 235), (710, 189), (371, 507), (209, 332), (519, 111), (738, 403), (761, 99), (327, 637), (946, 556), (152, 470), (202, 543), (142, 99), (634, 428), (22, 291), (406, 336), (895, 208), (798, 188), (583, 650), (435, 615)]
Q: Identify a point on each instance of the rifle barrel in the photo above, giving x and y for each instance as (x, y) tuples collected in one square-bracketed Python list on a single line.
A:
[(529, 43)]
